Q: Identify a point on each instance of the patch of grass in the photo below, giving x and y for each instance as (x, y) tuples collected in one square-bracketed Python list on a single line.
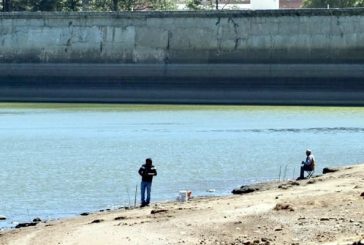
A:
[(167, 107), (126, 107)]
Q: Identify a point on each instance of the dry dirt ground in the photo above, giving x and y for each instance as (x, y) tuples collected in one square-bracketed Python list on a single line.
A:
[(323, 210)]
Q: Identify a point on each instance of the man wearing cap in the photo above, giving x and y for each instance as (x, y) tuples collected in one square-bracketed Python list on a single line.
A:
[(308, 165), (146, 171)]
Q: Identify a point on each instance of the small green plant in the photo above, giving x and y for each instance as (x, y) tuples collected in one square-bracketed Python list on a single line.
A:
[(194, 4), (163, 4)]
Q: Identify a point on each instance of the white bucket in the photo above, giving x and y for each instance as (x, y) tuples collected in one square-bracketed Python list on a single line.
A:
[(183, 196)]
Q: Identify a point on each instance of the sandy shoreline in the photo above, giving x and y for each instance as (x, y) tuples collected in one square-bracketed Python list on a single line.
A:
[(324, 210)]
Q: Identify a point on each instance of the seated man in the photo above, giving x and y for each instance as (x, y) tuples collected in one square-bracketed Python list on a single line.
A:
[(308, 165)]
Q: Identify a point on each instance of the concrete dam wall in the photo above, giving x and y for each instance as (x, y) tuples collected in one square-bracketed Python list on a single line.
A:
[(222, 57)]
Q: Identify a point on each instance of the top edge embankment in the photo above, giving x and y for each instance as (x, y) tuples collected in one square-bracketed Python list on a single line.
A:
[(184, 14)]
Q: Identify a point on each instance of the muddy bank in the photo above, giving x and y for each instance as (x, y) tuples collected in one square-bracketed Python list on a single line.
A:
[(325, 210)]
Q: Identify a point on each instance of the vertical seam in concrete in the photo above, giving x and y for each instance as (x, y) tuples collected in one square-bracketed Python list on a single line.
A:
[(272, 44), (237, 38), (166, 57), (218, 36)]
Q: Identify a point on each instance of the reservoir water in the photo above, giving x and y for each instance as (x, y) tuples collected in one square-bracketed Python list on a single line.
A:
[(61, 160)]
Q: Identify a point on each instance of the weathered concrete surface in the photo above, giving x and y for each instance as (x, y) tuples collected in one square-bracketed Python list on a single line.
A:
[(266, 36), (226, 57)]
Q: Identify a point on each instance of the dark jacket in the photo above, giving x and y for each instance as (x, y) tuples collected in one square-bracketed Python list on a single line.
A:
[(147, 172)]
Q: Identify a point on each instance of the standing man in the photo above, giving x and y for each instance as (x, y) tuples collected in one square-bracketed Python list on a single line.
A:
[(308, 164), (147, 171)]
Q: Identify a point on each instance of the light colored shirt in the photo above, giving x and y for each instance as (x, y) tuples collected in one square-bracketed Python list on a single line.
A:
[(309, 160)]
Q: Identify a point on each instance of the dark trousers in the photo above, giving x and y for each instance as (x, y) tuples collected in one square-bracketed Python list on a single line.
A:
[(304, 168), (145, 186)]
